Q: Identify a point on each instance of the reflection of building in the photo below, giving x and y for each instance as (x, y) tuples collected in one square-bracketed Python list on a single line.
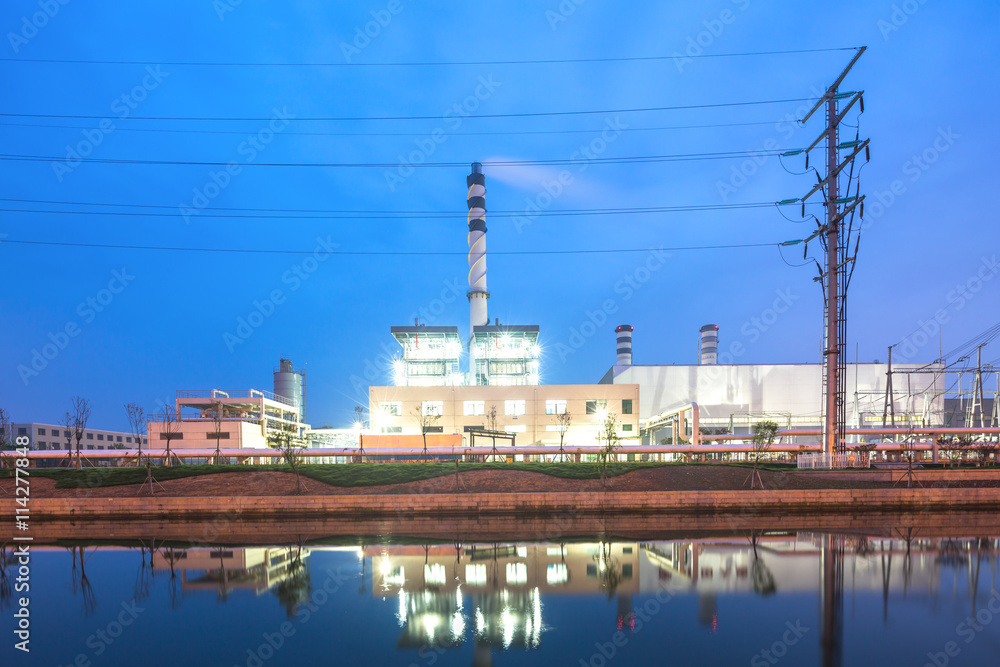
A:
[(493, 593), (223, 570)]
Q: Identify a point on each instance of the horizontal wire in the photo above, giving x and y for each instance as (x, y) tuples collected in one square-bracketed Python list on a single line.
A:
[(553, 61), (271, 251)]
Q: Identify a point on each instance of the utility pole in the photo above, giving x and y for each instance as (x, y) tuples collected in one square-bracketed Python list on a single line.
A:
[(890, 405), (835, 275)]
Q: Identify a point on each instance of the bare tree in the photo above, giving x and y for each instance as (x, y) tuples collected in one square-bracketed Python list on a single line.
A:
[(68, 433), (6, 439), (169, 432), (218, 412), (564, 420), (81, 414), (286, 440), (764, 433), (137, 424), (359, 418), (491, 425), (426, 419), (611, 441)]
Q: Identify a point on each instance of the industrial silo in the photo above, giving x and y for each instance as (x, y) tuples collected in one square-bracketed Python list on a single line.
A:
[(290, 383)]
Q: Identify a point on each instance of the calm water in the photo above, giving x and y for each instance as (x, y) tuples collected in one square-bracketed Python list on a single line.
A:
[(741, 599)]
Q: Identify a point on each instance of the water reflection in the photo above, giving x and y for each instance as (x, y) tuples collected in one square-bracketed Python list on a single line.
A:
[(463, 603)]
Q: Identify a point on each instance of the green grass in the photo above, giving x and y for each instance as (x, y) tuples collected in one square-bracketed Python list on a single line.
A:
[(356, 474)]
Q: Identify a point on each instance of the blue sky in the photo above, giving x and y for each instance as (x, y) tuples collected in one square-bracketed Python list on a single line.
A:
[(929, 77)]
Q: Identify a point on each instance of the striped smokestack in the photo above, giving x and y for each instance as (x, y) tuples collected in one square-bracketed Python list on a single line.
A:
[(623, 334), (476, 200)]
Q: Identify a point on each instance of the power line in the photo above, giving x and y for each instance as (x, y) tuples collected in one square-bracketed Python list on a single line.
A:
[(527, 114), (322, 214), (632, 159), (404, 134), (553, 61), (271, 251)]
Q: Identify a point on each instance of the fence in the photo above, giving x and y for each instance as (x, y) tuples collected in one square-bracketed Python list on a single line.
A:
[(820, 461)]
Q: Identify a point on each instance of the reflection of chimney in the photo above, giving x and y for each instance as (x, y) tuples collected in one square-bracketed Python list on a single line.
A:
[(708, 609), (624, 334), (476, 200)]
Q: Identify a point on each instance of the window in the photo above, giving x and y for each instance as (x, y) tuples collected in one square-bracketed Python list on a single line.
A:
[(90, 436), (119, 439), (55, 433), (470, 429), (475, 574), (433, 429), (474, 408), (41, 445), (593, 407), (171, 436), (556, 573), (429, 408), (555, 407), (22, 431), (517, 573), (513, 407), (626, 427), (224, 435), (100, 436), (128, 440), (392, 429), (626, 406), (41, 431), (90, 446), (435, 575), (391, 408)]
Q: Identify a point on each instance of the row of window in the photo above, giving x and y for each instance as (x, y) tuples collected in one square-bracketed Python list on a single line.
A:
[(513, 407), (58, 445), (516, 428), (68, 434)]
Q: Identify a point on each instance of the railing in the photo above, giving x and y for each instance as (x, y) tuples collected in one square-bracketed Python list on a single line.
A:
[(230, 393), (828, 461)]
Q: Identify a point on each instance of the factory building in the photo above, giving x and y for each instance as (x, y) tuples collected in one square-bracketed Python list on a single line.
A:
[(732, 397)]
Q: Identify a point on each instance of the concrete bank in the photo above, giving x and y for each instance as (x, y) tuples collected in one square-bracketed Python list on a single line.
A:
[(437, 506)]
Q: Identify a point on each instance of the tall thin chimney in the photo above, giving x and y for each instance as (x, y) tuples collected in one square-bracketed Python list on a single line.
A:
[(476, 200), (624, 344), (708, 344)]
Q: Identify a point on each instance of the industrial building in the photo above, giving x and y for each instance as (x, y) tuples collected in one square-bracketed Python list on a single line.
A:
[(730, 398), (55, 436)]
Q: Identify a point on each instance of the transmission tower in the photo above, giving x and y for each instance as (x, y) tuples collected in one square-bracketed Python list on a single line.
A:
[(836, 234)]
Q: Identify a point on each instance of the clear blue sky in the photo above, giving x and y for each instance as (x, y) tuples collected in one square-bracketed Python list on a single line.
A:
[(931, 89)]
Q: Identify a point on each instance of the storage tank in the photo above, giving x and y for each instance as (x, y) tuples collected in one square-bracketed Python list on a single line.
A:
[(709, 344), (290, 384)]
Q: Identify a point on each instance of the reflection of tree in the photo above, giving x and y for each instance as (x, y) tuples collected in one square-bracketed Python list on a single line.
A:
[(6, 585), (81, 582), (143, 577), (296, 587), (761, 576), (171, 558), (608, 569)]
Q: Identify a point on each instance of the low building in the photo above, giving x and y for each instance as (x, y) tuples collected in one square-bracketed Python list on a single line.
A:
[(530, 412), (44, 437)]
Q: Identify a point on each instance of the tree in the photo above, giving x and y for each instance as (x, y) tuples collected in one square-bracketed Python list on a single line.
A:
[(611, 443), (6, 439), (81, 414), (565, 419), (137, 425), (359, 417), (218, 411), (764, 433), (169, 432), (987, 449), (68, 432), (426, 418), (286, 440)]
